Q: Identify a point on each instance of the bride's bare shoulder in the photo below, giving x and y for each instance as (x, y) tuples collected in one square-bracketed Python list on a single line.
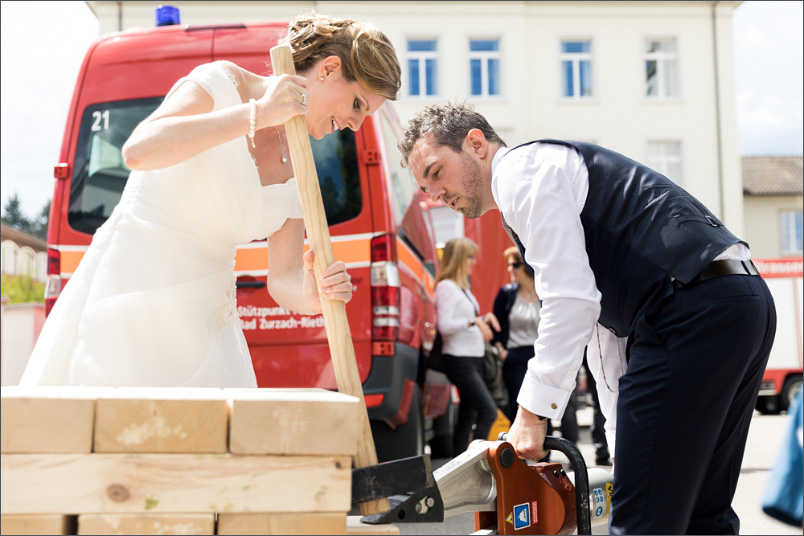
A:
[(245, 81)]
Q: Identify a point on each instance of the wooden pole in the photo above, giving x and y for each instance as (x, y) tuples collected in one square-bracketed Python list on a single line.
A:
[(335, 321)]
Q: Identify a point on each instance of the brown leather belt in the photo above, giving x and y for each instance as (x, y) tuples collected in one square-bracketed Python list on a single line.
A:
[(720, 268)]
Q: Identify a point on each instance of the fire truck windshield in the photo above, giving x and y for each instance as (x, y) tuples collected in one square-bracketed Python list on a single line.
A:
[(100, 173)]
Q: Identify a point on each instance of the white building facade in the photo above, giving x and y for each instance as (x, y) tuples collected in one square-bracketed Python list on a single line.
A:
[(651, 80)]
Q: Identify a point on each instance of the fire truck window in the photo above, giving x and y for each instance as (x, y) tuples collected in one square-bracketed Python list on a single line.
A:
[(412, 225), (338, 175), (403, 187), (100, 175)]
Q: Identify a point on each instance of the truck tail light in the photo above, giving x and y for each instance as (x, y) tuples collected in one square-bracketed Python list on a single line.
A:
[(53, 288), (384, 289), (375, 400)]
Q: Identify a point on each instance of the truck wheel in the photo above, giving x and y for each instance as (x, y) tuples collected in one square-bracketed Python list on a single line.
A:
[(791, 385), (407, 440), (768, 405)]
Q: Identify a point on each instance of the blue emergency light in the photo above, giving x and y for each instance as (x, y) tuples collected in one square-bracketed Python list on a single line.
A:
[(167, 15)]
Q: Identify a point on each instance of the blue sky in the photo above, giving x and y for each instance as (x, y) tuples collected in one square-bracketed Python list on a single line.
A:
[(43, 44), (768, 47)]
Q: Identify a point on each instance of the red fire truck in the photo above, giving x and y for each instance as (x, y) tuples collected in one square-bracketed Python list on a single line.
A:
[(379, 222), (784, 371)]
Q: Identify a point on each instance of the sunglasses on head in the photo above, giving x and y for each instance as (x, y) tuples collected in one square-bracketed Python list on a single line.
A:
[(515, 264)]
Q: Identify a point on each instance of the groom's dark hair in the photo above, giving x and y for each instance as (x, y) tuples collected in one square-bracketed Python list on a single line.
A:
[(449, 124)]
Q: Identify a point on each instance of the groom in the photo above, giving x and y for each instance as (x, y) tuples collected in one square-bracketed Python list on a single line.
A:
[(678, 324)]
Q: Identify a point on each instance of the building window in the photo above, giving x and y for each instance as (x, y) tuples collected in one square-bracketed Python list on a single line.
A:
[(484, 67), (422, 67), (661, 68), (791, 232), (665, 157), (576, 68)]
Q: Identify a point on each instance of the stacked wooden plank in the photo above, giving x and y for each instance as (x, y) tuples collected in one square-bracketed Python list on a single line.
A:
[(79, 460)]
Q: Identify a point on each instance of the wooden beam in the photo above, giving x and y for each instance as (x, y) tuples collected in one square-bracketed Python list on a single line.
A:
[(24, 524), (161, 419), (166, 483), (282, 523), (47, 420), (293, 421), (339, 336), (143, 524)]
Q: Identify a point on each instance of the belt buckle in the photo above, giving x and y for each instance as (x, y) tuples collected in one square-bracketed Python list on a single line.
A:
[(749, 266)]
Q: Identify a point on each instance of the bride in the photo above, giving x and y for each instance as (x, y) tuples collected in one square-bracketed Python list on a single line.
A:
[(153, 300)]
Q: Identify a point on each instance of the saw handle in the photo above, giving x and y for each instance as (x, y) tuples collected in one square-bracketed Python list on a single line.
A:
[(568, 449)]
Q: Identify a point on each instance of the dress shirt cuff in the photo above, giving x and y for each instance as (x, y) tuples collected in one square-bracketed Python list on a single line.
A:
[(611, 435), (543, 400)]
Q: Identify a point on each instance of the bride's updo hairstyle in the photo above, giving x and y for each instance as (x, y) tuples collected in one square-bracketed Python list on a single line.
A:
[(367, 55)]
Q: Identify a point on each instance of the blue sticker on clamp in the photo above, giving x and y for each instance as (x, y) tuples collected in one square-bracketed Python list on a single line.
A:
[(521, 516)]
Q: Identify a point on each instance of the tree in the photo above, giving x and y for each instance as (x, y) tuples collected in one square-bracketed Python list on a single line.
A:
[(13, 215), (39, 225)]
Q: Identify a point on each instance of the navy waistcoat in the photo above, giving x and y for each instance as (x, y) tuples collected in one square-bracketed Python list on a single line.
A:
[(641, 230)]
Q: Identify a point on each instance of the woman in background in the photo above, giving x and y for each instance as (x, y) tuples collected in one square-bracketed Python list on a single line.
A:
[(517, 309), (464, 334)]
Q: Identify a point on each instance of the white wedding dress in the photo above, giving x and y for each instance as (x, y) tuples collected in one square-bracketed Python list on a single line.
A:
[(153, 301)]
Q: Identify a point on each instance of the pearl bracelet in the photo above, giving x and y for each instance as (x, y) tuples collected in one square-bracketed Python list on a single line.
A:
[(252, 120)]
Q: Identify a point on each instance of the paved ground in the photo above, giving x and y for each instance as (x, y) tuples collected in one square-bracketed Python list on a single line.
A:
[(763, 443)]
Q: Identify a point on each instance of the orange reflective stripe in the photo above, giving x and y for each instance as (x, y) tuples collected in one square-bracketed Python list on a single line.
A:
[(407, 258), (70, 261), (351, 251), (412, 263), (253, 257)]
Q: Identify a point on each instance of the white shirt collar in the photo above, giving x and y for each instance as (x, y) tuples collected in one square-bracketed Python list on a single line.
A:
[(495, 160)]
